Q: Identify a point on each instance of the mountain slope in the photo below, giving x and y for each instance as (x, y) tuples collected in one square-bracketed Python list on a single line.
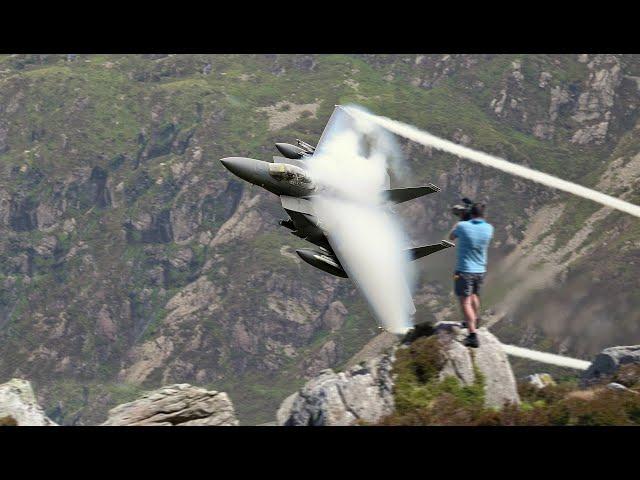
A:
[(131, 259)]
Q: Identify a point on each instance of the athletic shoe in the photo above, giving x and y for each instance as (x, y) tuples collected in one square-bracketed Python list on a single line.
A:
[(471, 341)]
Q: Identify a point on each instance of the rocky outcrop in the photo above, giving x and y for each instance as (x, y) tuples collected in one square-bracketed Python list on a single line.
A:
[(540, 380), (374, 348), (595, 105), (510, 103), (18, 405), (618, 387), (177, 405), (364, 392), (489, 360), (608, 362)]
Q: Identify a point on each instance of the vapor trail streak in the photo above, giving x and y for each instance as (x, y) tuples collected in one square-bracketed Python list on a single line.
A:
[(427, 139), (548, 358)]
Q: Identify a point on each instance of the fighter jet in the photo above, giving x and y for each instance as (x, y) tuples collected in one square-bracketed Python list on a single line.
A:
[(287, 177)]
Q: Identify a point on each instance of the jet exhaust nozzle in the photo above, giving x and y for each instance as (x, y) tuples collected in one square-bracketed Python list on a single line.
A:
[(290, 151), (321, 260)]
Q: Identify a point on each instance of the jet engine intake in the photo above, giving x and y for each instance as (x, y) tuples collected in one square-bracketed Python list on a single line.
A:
[(290, 151)]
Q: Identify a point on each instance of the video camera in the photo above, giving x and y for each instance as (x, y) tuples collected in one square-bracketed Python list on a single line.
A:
[(463, 211)]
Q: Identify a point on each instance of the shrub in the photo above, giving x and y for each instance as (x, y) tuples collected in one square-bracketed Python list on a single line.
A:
[(549, 394), (422, 398), (628, 375)]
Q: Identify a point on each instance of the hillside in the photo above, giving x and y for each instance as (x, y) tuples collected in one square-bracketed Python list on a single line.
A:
[(131, 259)]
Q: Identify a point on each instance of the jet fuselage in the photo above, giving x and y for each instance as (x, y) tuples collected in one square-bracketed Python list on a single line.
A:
[(277, 178)]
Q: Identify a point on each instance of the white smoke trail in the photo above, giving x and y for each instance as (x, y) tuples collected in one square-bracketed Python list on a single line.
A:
[(548, 358), (350, 169), (412, 133), (424, 138)]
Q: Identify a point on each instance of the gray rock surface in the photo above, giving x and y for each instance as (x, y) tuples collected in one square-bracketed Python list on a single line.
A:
[(489, 359), (609, 361), (364, 392), (178, 405), (376, 347), (18, 405), (617, 387), (540, 380)]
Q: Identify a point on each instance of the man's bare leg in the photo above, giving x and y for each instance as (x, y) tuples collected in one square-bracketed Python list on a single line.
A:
[(475, 300), (469, 314)]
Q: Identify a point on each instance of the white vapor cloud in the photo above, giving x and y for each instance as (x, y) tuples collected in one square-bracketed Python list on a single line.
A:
[(427, 139), (350, 169)]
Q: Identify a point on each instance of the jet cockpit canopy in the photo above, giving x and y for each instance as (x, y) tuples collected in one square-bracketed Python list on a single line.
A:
[(291, 174)]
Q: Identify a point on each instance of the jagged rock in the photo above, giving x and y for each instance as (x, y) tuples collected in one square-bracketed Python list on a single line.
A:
[(364, 392), (544, 79), (540, 380), (374, 348), (595, 104), (333, 317), (619, 388), (18, 405), (499, 382), (178, 405), (609, 361), (324, 357), (4, 131)]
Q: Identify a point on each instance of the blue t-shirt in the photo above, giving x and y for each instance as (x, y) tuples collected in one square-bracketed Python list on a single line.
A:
[(473, 237)]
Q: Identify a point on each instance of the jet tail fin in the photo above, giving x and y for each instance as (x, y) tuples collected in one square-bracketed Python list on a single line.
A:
[(419, 252), (399, 195)]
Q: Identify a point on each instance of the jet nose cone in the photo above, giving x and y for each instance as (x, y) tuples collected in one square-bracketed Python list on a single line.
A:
[(239, 166), (229, 162)]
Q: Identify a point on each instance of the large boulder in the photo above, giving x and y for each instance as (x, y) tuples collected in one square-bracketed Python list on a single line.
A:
[(365, 391), (362, 393), (608, 362), (180, 404), (18, 405), (489, 359)]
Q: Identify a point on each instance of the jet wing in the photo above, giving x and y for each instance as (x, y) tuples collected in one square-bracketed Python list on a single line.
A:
[(400, 195), (419, 252), (333, 122), (338, 121)]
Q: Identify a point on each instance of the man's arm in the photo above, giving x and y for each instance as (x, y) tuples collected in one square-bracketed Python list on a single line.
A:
[(452, 234)]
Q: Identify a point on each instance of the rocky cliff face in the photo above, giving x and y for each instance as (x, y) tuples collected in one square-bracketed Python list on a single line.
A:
[(19, 407), (130, 259), (365, 392), (362, 393)]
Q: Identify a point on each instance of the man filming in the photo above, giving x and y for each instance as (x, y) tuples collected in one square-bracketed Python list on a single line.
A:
[(473, 236)]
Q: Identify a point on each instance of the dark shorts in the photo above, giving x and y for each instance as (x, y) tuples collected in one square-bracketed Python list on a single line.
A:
[(467, 284)]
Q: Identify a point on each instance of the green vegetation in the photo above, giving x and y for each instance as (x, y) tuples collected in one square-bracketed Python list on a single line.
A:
[(422, 398), (115, 157), (419, 392)]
